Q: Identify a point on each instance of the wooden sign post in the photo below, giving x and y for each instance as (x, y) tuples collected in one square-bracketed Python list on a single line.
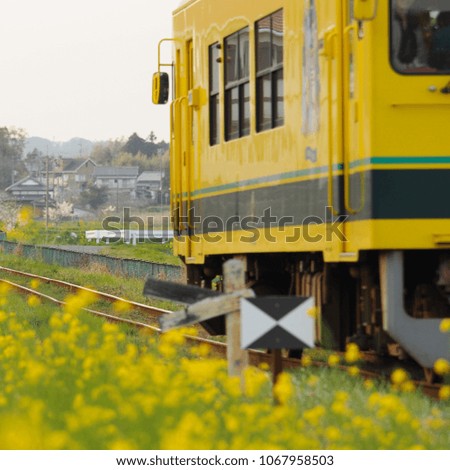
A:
[(203, 304), (234, 280), (271, 323)]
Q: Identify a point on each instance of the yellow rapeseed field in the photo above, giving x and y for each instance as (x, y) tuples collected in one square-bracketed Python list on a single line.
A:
[(69, 381)]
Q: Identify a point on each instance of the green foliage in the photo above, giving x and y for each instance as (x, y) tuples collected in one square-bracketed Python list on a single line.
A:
[(93, 196), (147, 251), (127, 287), (105, 153), (61, 233), (136, 144)]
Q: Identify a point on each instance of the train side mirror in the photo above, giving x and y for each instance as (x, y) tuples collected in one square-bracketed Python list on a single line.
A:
[(160, 88), (365, 10)]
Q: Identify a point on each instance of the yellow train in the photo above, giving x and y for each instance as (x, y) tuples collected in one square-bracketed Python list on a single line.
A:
[(311, 139)]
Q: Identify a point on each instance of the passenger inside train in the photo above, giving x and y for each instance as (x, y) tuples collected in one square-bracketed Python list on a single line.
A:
[(420, 36)]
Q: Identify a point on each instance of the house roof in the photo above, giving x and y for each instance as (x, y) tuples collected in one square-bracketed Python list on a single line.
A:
[(71, 165), (27, 183), (150, 176), (116, 172)]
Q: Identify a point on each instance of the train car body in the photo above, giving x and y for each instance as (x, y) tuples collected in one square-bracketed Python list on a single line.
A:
[(311, 139)]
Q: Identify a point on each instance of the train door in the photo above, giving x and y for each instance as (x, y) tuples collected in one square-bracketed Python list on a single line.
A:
[(331, 66), (415, 106), (340, 53), (182, 120), (353, 186)]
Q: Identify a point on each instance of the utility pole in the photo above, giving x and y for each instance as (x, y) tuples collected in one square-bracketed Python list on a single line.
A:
[(117, 193), (161, 183), (46, 196)]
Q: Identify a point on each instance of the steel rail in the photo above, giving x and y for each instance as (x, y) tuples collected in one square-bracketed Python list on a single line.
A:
[(255, 357), (74, 287)]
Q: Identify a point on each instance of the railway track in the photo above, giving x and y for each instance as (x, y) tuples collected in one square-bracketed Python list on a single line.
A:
[(153, 313)]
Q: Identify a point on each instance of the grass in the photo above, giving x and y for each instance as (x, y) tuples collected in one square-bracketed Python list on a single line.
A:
[(148, 251), (72, 381), (95, 277), (34, 232)]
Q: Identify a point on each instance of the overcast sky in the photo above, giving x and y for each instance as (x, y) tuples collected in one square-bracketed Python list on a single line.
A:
[(82, 68)]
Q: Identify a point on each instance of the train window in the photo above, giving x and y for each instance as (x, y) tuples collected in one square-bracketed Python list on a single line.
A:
[(214, 115), (420, 36), (269, 72), (237, 88)]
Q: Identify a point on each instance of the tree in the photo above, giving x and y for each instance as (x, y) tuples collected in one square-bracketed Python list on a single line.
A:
[(9, 213), (12, 143), (35, 162), (93, 196), (63, 210), (104, 153), (136, 144), (152, 137), (140, 160)]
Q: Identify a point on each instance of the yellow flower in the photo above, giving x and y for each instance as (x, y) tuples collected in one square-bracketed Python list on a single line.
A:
[(314, 415), (201, 350), (374, 399), (368, 384), (312, 312), (353, 371), (313, 381), (408, 386), (402, 416), (255, 379), (399, 376), (341, 395), (306, 360), (4, 288), (332, 433), (333, 360), (445, 325), (75, 303), (35, 371), (352, 353), (25, 216), (339, 407), (444, 392), (174, 337), (232, 424), (122, 444), (35, 283), (442, 367), (110, 328), (122, 306), (33, 300), (167, 349), (436, 423), (283, 389)]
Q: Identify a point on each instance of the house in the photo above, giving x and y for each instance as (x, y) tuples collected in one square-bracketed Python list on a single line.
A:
[(119, 180), (149, 184), (75, 171), (30, 191), (72, 175)]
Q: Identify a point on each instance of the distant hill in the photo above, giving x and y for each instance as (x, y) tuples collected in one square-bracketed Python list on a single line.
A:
[(75, 147)]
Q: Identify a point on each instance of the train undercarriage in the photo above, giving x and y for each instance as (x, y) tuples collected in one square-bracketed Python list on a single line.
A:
[(390, 302)]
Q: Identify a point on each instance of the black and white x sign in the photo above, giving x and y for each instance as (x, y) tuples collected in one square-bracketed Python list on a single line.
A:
[(277, 322)]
